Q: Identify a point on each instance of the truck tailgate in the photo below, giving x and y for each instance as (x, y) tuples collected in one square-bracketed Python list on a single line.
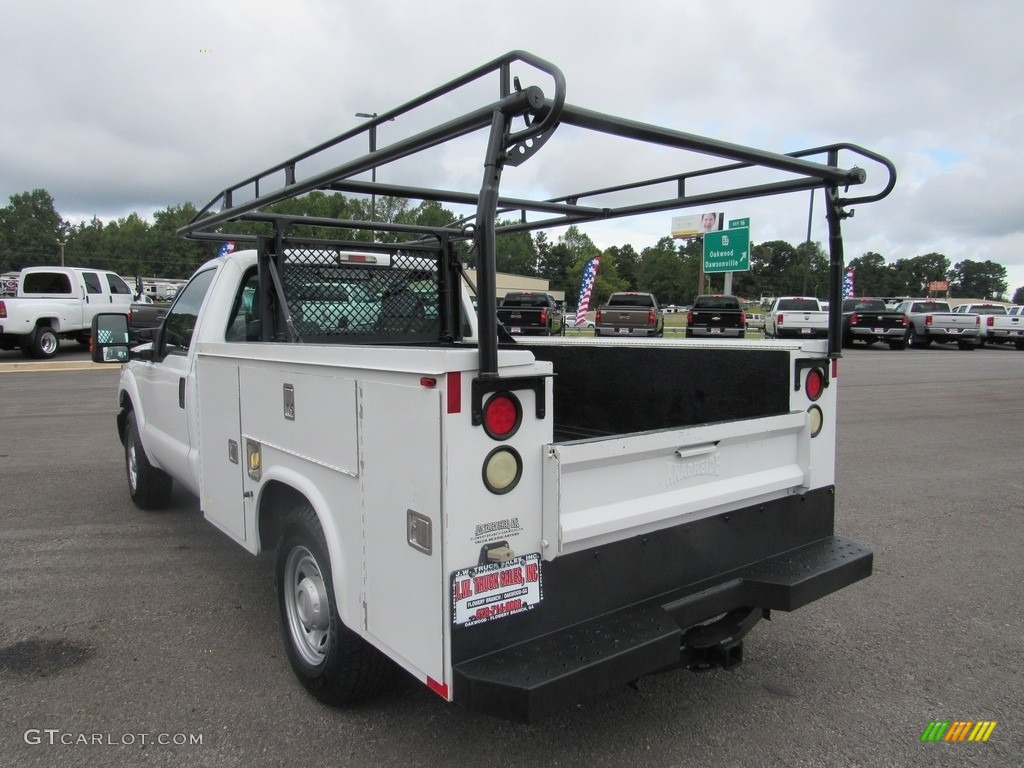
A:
[(598, 491)]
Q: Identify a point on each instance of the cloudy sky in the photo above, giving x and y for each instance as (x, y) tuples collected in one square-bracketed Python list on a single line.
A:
[(116, 107)]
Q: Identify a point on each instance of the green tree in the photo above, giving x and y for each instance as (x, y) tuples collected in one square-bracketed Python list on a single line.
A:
[(85, 245), (978, 279), (627, 263), (661, 272), (872, 276), (606, 283), (30, 229), (557, 262), (170, 255), (913, 275), (515, 253), (126, 243), (1018, 295), (778, 267)]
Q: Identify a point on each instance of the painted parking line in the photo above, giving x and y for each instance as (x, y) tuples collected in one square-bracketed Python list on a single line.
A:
[(71, 365)]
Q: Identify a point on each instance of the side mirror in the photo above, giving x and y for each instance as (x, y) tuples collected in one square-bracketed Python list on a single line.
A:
[(109, 341)]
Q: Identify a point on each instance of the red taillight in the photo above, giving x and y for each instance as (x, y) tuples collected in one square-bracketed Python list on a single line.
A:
[(853, 319), (689, 318), (905, 320), (502, 415), (778, 320), (743, 318), (597, 317), (814, 383), (3, 309), (543, 317), (651, 319), (990, 321), (927, 319)]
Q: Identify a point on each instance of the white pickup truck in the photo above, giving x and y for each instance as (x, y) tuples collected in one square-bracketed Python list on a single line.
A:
[(467, 505), (54, 303), (931, 320), (799, 317), (996, 324)]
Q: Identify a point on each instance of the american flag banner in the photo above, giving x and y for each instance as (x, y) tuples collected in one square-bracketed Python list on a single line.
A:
[(225, 249), (586, 286), (848, 284)]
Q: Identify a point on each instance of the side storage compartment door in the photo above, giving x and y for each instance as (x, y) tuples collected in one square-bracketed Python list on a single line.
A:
[(400, 451), (222, 455)]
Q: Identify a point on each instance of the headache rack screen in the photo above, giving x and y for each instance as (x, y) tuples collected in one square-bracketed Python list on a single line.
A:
[(335, 297)]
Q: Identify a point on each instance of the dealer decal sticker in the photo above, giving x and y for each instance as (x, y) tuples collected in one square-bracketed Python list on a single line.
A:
[(491, 591)]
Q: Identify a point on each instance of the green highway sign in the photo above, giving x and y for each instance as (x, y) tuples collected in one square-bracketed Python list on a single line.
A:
[(727, 250), (737, 223)]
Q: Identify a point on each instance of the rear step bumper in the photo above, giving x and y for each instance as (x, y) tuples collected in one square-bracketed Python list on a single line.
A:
[(537, 678)]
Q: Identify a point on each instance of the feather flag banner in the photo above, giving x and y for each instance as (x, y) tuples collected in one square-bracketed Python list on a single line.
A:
[(586, 287)]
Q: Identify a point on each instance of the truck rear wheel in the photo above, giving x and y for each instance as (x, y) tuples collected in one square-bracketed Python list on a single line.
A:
[(44, 344), (149, 487), (330, 660)]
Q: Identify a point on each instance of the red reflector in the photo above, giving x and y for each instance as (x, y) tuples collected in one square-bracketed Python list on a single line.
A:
[(428, 381), (502, 415), (454, 387), (441, 689), (835, 368), (814, 384)]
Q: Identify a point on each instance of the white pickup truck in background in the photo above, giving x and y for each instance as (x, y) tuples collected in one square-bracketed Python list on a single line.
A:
[(796, 317), (931, 320), (997, 325), (513, 530), (54, 303)]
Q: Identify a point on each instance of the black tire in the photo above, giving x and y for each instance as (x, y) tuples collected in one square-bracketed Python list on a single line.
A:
[(897, 345), (914, 341), (1019, 345), (149, 487), (964, 344), (330, 660), (688, 333), (44, 344)]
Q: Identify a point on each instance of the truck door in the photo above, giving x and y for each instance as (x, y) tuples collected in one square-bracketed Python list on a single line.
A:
[(171, 416), (120, 294)]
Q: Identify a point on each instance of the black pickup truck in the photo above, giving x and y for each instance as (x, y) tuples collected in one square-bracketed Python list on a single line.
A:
[(716, 316), (869, 321), (527, 312)]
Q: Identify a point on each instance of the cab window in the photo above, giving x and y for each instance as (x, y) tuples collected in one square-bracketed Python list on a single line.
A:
[(180, 323)]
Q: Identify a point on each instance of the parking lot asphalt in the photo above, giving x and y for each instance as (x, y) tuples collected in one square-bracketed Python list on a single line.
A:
[(130, 638)]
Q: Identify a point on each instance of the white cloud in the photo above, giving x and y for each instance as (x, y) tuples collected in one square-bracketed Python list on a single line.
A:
[(115, 107)]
